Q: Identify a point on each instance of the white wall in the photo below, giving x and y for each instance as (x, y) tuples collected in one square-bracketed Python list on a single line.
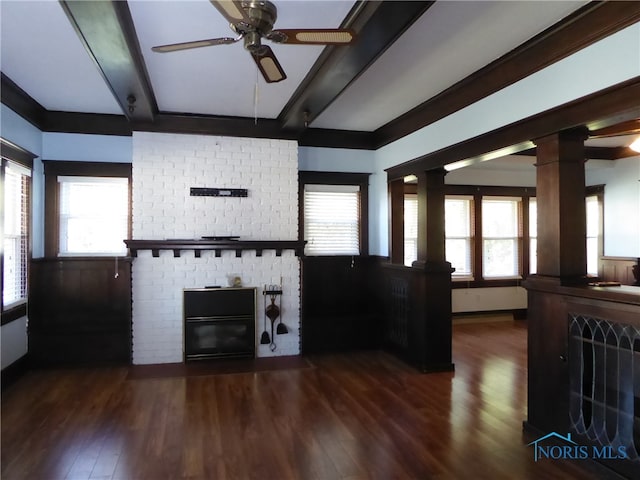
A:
[(621, 206), (488, 299), (165, 166), (321, 159), (86, 148)]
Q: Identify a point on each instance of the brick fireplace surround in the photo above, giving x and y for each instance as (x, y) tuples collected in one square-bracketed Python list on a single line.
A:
[(165, 167)]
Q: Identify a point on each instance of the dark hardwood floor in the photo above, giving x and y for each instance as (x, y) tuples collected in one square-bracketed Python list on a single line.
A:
[(340, 416)]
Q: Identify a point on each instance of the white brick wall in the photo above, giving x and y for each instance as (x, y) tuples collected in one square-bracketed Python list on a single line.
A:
[(165, 167)]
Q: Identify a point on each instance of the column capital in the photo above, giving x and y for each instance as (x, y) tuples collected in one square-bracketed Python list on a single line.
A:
[(579, 134)]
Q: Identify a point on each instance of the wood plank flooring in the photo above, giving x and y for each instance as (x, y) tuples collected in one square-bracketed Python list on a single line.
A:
[(361, 415)]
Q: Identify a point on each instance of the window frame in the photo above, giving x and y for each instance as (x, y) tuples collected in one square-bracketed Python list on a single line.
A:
[(413, 196), (338, 178), (9, 152), (471, 238), (598, 192), (54, 169), (517, 240)]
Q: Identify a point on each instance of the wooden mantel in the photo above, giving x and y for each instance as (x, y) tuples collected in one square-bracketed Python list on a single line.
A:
[(216, 245)]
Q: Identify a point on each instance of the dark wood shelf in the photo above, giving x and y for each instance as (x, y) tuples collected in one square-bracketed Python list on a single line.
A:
[(216, 245)]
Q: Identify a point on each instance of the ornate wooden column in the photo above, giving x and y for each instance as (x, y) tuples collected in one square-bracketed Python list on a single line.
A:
[(560, 192)]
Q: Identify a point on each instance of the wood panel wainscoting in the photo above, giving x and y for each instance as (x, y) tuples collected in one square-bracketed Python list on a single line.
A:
[(357, 415), (79, 311), (618, 269), (341, 306)]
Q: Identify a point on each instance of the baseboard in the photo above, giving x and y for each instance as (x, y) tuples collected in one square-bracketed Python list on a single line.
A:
[(15, 371), (481, 317)]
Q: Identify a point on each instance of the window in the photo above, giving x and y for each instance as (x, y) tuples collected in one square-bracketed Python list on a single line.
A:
[(331, 219), (533, 236), (334, 213), (87, 208), (491, 232), (15, 205), (594, 238), (16, 234), (410, 229), (458, 244), (500, 237), (593, 234), (94, 215)]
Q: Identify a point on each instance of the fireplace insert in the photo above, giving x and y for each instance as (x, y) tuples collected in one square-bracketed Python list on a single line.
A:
[(219, 322)]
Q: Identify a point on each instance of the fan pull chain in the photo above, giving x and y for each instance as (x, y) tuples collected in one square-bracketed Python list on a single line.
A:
[(255, 100)]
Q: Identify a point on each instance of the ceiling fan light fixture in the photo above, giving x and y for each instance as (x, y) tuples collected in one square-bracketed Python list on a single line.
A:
[(635, 146), (252, 43)]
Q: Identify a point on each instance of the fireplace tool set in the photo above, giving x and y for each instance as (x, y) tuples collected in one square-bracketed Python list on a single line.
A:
[(272, 312)]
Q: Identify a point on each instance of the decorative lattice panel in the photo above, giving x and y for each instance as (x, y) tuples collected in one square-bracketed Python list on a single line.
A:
[(604, 363), (398, 322)]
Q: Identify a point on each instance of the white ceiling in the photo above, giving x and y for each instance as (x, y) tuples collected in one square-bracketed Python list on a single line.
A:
[(41, 52), (450, 42)]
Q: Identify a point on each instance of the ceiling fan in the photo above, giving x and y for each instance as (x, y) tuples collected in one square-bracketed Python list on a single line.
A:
[(253, 20)]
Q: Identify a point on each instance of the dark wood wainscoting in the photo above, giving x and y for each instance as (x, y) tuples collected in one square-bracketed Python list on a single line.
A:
[(341, 309), (80, 311), (617, 269)]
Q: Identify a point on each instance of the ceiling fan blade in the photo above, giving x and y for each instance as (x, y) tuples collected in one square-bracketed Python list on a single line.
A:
[(231, 10), (314, 36), (269, 66), (172, 47)]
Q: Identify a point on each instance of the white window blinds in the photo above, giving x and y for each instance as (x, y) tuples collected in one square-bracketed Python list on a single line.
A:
[(410, 229), (458, 210), (533, 236), (593, 233), (16, 233), (332, 219)]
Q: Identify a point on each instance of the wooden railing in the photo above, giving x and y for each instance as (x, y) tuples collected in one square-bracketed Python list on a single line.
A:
[(417, 314)]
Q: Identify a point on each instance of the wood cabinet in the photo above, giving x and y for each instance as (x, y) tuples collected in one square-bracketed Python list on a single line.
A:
[(219, 322)]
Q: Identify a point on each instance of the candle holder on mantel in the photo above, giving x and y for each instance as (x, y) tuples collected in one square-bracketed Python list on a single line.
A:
[(272, 312), (636, 273)]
